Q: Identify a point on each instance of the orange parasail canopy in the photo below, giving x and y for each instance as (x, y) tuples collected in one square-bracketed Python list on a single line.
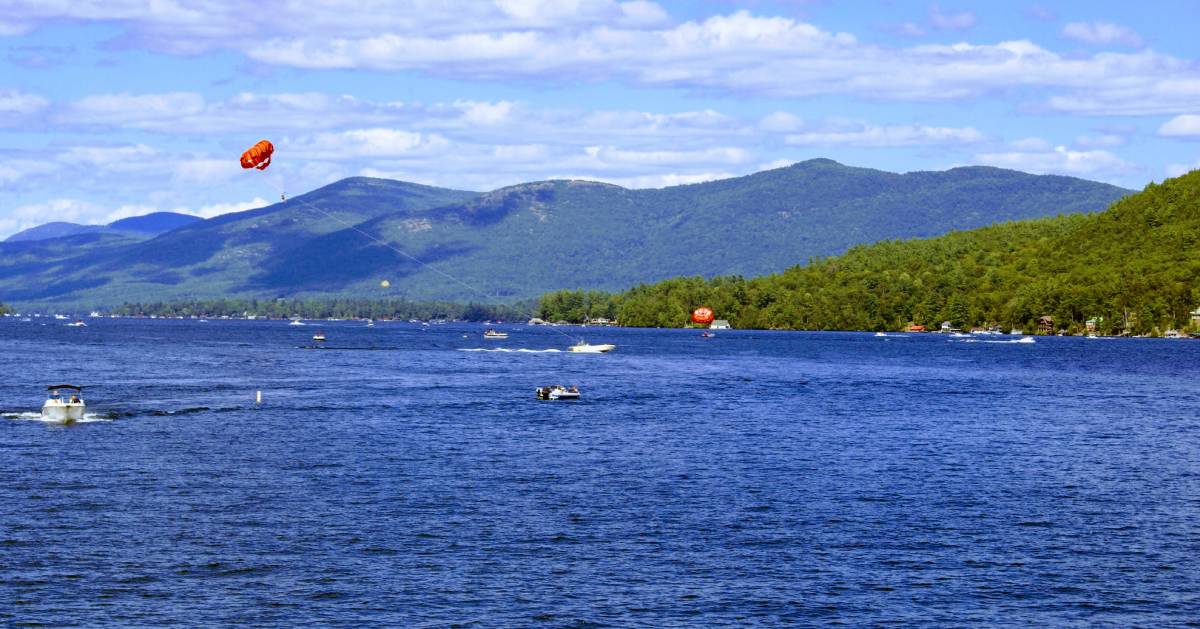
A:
[(258, 156), (703, 315)]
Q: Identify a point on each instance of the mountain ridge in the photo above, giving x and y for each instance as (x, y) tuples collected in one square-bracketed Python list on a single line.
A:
[(343, 239)]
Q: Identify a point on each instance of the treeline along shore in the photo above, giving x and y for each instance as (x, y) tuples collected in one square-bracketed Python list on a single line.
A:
[(1131, 269)]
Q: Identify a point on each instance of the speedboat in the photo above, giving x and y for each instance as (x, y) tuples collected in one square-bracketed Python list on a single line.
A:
[(707, 335), (583, 347), (494, 335), (319, 336), (557, 392), (1026, 339), (296, 322), (77, 324), (65, 404)]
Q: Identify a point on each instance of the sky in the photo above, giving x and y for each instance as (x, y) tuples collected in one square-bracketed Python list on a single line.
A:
[(116, 108)]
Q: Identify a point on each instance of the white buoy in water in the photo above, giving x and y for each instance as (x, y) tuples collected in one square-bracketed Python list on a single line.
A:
[(258, 397)]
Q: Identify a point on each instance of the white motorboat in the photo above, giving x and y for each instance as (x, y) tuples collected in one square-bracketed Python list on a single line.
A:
[(583, 347), (296, 322), (77, 324), (65, 404), (557, 392), (319, 336), (494, 335), (1026, 339)]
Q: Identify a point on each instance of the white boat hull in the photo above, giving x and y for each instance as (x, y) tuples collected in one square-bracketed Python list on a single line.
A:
[(63, 413), (593, 349)]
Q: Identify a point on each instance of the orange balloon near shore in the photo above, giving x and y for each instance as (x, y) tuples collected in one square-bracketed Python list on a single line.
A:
[(258, 156), (703, 315)]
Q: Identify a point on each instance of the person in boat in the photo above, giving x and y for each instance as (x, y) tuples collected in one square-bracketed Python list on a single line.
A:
[(574, 389), (74, 399)]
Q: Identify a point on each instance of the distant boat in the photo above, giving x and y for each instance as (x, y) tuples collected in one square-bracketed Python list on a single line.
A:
[(582, 347), (77, 324), (494, 335), (319, 336), (60, 317), (296, 322), (1026, 339), (1016, 332), (370, 323), (707, 335), (65, 404), (557, 392), (880, 334)]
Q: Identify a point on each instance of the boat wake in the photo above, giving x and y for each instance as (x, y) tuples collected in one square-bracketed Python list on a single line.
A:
[(1021, 341), (37, 417), (506, 350)]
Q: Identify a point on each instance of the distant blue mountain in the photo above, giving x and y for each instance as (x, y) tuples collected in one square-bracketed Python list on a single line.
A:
[(154, 223), (518, 242), (151, 224)]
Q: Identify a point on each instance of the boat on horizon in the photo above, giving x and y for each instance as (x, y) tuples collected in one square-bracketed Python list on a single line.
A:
[(319, 337), (77, 324), (296, 322), (494, 335), (64, 407)]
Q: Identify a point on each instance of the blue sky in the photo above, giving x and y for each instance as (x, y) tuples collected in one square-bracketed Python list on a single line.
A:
[(112, 108)]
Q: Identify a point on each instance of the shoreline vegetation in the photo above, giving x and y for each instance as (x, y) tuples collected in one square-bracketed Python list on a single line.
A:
[(383, 309)]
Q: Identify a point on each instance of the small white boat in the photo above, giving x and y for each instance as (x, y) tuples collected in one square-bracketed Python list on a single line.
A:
[(583, 347), (60, 317), (319, 336), (880, 334), (77, 324), (557, 392), (370, 323), (1026, 339), (65, 404), (296, 322), (494, 335)]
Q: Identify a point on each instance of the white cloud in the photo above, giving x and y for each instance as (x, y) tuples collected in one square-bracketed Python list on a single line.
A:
[(1061, 161), (1187, 126), (1175, 170), (13, 170), (960, 21), (781, 121), (1101, 33), (137, 111), (19, 103), (377, 142), (636, 43), (1102, 140), (108, 156), (658, 181), (888, 136)]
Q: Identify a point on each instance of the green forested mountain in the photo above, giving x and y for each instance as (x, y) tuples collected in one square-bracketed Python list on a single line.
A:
[(1135, 266), (520, 241)]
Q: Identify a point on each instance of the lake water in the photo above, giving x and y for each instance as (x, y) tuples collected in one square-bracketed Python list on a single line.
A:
[(409, 478)]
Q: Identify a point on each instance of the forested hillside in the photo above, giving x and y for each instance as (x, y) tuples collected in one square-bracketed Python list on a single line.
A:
[(1133, 266)]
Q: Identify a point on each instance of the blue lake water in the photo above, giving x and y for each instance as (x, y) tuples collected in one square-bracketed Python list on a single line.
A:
[(755, 477)]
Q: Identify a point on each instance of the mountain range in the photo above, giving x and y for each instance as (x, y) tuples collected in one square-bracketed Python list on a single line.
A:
[(151, 224), (518, 242)]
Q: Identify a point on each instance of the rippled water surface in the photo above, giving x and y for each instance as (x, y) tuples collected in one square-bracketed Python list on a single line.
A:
[(394, 479)]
